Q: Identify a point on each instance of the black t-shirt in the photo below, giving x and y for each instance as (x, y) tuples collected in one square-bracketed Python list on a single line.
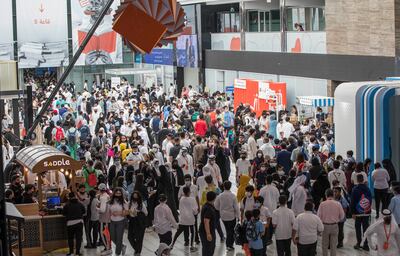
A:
[(174, 151), (208, 212)]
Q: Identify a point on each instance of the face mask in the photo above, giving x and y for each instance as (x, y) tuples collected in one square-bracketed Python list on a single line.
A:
[(263, 168), (248, 194), (273, 164), (62, 143), (188, 183), (155, 150), (259, 155), (281, 173), (257, 205)]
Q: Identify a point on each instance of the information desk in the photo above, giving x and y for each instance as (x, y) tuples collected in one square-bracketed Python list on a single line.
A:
[(41, 234)]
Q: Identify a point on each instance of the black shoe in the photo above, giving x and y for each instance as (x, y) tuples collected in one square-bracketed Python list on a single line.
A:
[(187, 244), (365, 248), (340, 245), (357, 247), (197, 241), (87, 246)]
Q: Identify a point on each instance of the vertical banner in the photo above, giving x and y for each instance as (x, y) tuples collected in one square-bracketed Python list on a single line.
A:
[(186, 51), (42, 33), (105, 47), (6, 31)]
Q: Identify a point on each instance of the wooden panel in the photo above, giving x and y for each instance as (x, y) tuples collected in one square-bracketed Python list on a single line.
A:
[(139, 28), (28, 209)]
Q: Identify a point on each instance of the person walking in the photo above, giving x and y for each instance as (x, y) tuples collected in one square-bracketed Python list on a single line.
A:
[(104, 217), (331, 213), (73, 212), (387, 235), (337, 191), (137, 222), (93, 219), (118, 211), (306, 229), (360, 205), (163, 221), (228, 208), (380, 178), (208, 225), (282, 221), (188, 209)]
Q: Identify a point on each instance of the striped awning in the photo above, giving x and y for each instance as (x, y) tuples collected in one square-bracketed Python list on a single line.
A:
[(316, 101)]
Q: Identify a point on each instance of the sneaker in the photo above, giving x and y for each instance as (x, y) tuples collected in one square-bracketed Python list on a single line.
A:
[(357, 247), (269, 242), (186, 244), (365, 248), (340, 245), (197, 241), (123, 249), (193, 249), (223, 240), (106, 252), (230, 249)]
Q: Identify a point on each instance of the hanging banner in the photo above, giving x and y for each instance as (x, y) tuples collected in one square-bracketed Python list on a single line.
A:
[(6, 31), (105, 47), (186, 51), (42, 33)]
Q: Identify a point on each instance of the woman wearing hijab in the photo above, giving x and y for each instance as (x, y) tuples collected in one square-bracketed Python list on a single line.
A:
[(298, 194)]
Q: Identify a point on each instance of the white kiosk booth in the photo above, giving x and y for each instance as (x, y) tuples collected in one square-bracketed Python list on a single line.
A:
[(367, 120)]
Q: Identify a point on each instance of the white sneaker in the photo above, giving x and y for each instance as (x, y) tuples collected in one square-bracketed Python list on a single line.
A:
[(106, 252)]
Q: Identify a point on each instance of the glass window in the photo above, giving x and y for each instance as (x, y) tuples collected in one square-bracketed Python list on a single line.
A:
[(262, 21), (227, 23), (267, 22), (220, 22), (253, 21), (275, 20), (237, 22)]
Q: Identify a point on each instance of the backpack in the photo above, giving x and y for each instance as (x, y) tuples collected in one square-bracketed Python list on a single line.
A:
[(251, 231), (59, 134), (71, 138), (240, 234), (84, 133), (92, 179), (364, 205)]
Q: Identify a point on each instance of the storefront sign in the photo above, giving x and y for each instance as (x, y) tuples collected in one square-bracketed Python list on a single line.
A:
[(56, 163)]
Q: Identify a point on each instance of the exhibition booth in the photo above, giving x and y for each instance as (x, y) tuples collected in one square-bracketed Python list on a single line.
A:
[(307, 106), (260, 95), (44, 228), (366, 120)]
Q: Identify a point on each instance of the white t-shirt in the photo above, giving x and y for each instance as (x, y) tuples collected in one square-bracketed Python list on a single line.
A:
[(187, 209), (308, 225), (283, 218), (243, 166)]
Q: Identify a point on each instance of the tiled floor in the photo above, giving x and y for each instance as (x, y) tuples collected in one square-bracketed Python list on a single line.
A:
[(151, 243)]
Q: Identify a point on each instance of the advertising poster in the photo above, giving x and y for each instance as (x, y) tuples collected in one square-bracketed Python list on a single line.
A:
[(6, 31), (186, 51), (160, 56), (260, 95), (42, 33), (105, 47)]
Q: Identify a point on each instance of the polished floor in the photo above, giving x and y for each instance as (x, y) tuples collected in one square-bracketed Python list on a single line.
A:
[(151, 243)]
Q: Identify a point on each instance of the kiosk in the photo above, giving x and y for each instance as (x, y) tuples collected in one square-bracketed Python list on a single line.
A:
[(44, 231)]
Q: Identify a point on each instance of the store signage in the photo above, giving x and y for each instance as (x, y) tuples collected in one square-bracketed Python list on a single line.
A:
[(57, 163), (240, 84)]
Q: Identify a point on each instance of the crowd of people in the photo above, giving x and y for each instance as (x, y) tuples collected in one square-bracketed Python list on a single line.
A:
[(155, 161)]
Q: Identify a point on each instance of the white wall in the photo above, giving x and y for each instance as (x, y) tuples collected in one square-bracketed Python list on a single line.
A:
[(301, 86), (191, 76)]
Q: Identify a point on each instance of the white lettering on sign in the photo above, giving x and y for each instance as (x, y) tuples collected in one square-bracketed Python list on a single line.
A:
[(56, 163)]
